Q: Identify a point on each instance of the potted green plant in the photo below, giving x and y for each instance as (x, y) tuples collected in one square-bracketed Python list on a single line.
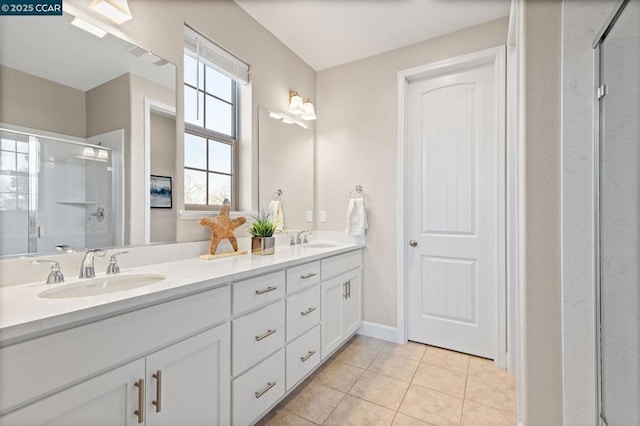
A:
[(262, 240)]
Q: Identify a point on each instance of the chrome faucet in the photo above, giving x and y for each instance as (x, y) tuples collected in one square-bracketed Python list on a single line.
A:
[(87, 269), (55, 274), (299, 240)]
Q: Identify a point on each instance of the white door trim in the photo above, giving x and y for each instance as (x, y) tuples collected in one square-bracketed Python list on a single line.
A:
[(168, 111), (494, 55)]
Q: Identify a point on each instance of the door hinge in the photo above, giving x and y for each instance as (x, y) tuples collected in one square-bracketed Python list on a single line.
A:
[(602, 91)]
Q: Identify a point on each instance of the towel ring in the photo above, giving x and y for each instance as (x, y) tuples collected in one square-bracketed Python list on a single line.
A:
[(358, 192), (276, 195)]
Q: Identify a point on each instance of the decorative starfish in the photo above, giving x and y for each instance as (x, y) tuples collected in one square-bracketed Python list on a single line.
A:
[(222, 227)]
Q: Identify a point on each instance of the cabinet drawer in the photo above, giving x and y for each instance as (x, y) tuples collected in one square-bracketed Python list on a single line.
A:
[(302, 276), (337, 265), (257, 389), (303, 312), (257, 335), (303, 355), (256, 291)]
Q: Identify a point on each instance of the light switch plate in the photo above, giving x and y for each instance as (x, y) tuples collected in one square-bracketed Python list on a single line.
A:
[(323, 216), (309, 216)]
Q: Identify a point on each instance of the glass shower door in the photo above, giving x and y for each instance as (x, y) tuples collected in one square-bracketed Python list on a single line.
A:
[(619, 220)]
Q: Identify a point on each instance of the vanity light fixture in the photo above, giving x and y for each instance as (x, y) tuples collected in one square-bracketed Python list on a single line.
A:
[(295, 103), (116, 10), (309, 111), (88, 27), (88, 152)]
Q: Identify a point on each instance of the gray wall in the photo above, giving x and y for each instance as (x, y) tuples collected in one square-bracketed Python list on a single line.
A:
[(163, 163), (41, 104)]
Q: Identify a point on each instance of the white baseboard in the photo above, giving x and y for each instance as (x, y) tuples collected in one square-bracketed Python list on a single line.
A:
[(380, 331)]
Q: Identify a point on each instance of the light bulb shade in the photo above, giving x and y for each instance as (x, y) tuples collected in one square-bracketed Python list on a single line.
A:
[(295, 104), (116, 10), (275, 115), (309, 111), (88, 27), (87, 151)]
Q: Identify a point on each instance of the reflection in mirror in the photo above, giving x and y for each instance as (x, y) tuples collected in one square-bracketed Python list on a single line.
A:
[(69, 90), (286, 164)]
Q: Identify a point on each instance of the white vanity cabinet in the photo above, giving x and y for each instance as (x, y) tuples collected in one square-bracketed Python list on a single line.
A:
[(341, 299), (85, 375), (181, 384)]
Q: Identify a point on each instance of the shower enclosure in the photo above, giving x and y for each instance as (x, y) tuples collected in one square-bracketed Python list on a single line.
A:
[(618, 222), (55, 191)]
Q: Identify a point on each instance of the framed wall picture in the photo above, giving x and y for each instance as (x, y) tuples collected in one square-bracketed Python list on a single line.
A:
[(161, 193)]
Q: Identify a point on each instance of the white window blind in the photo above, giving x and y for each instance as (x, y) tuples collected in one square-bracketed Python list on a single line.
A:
[(215, 56)]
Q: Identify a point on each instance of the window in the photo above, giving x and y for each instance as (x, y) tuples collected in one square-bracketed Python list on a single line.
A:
[(14, 172), (211, 84)]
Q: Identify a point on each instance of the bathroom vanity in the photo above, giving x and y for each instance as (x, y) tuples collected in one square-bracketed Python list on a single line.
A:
[(213, 343)]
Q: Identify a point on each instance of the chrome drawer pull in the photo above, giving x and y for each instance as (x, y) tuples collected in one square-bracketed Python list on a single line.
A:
[(265, 335), (266, 290), (265, 390), (309, 275), (307, 356), (140, 411), (345, 294), (307, 312), (349, 288), (158, 401)]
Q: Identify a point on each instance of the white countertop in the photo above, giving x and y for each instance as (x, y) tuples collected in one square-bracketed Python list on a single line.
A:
[(24, 315)]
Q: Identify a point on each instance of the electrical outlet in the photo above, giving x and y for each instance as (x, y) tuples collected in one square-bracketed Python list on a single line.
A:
[(323, 216), (309, 216)]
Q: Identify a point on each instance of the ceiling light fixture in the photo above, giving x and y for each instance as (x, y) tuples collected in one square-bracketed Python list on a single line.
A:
[(309, 111), (88, 27), (295, 103), (116, 10)]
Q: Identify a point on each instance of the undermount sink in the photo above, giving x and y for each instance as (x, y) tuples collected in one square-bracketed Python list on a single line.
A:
[(319, 244), (101, 285)]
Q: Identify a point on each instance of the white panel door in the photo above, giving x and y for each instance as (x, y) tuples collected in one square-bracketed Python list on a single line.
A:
[(454, 200)]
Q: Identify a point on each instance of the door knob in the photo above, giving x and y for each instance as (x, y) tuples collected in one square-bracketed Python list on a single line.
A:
[(413, 243)]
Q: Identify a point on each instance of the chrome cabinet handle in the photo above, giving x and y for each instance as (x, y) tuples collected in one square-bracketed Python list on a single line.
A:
[(413, 243), (266, 290), (265, 390), (140, 411), (307, 312), (345, 295), (349, 288), (309, 275), (158, 401), (265, 335), (307, 356)]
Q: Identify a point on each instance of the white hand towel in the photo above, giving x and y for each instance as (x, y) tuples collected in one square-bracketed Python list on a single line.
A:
[(275, 208), (356, 217)]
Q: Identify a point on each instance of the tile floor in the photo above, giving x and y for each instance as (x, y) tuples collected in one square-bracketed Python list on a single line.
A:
[(373, 382)]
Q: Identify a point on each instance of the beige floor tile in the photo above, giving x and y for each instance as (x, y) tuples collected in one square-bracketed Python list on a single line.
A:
[(479, 415), (447, 359), (357, 356), (283, 418), (337, 375), (496, 389), (314, 402), (409, 350), (368, 342), (431, 406), (381, 390), (440, 379), (404, 420), (394, 366), (354, 411), (486, 366)]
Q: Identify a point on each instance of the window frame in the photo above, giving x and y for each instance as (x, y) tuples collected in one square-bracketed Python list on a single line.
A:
[(208, 134)]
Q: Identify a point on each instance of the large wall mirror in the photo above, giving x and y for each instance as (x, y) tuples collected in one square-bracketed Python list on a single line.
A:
[(84, 122), (286, 165)]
